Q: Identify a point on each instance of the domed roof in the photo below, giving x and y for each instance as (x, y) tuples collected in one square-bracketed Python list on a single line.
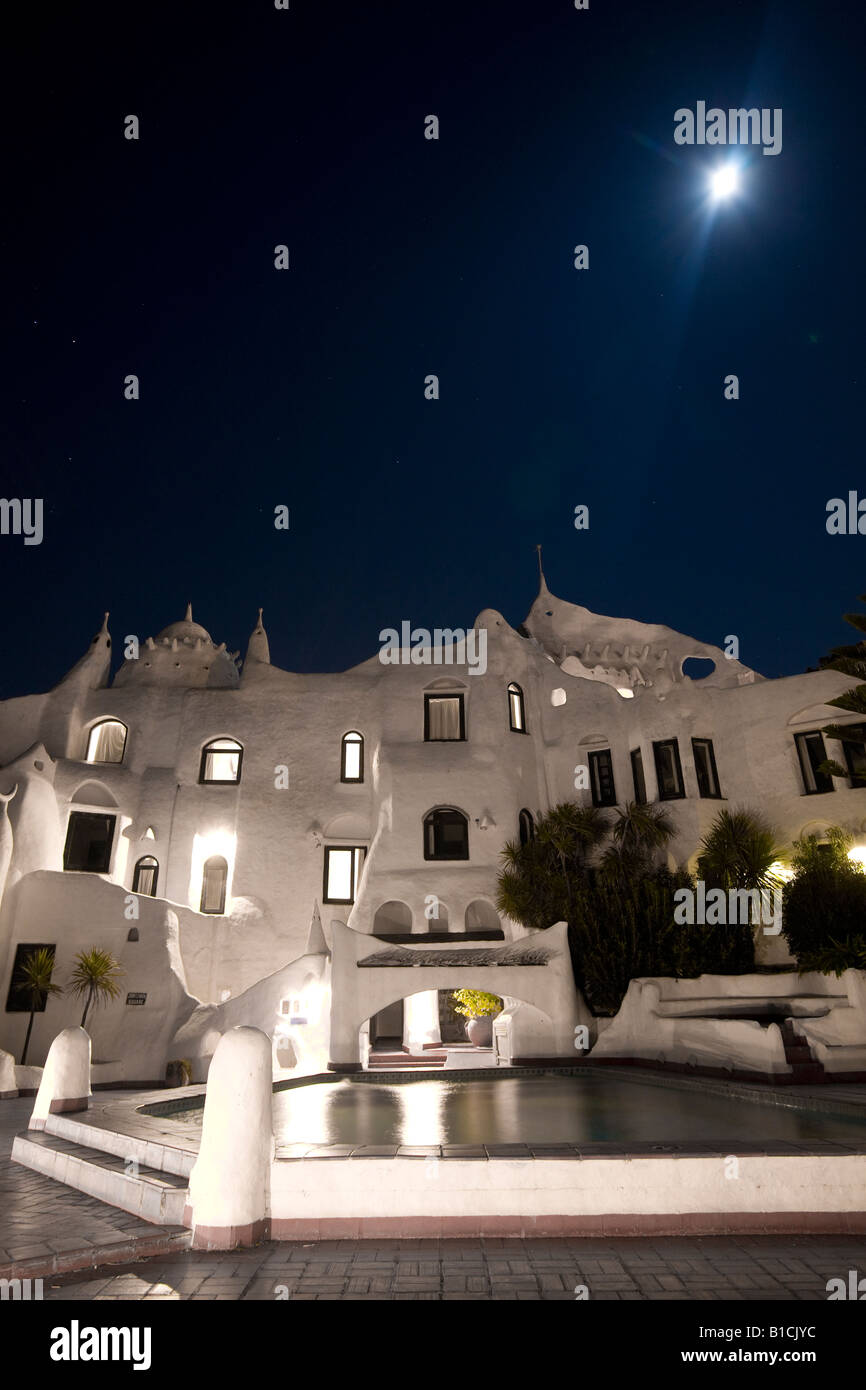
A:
[(185, 629)]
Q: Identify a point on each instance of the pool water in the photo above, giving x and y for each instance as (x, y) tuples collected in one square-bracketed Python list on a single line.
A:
[(534, 1109)]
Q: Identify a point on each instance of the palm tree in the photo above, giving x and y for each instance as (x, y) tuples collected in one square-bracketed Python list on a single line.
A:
[(638, 833), (571, 831), (530, 888), (739, 851), (851, 661), (35, 984), (95, 977)]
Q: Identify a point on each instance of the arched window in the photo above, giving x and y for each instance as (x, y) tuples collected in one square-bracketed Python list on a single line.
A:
[(527, 827), (352, 758), (221, 761), (106, 742), (446, 834), (516, 712), (213, 885), (144, 876)]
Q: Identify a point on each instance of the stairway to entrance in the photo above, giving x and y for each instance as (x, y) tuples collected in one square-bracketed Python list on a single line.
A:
[(393, 1060)]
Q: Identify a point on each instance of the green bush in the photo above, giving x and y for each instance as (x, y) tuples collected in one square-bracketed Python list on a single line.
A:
[(824, 905), (625, 928)]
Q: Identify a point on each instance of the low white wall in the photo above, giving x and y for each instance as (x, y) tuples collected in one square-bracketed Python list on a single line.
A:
[(401, 1187), (838, 1040), (684, 1021)]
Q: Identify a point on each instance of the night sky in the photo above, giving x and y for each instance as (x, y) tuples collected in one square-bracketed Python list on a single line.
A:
[(409, 257)]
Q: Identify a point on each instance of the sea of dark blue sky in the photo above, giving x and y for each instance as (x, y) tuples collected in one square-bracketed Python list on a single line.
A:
[(410, 257)]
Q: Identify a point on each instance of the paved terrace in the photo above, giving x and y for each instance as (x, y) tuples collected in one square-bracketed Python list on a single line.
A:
[(59, 1234), (745, 1269)]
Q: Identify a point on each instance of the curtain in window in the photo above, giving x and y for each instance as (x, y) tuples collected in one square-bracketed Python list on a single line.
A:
[(107, 742), (443, 717)]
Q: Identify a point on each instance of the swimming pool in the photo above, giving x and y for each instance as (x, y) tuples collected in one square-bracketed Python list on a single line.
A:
[(551, 1109)]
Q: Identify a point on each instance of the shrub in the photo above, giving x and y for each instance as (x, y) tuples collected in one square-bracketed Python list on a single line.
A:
[(824, 905), (476, 1003)]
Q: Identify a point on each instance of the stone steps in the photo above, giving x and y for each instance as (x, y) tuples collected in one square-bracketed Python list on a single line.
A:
[(152, 1194), (396, 1061), (805, 1070)]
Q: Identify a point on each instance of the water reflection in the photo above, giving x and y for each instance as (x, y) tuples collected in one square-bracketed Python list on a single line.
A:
[(535, 1110)]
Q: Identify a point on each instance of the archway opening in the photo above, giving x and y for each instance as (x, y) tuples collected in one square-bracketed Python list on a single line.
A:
[(393, 918)]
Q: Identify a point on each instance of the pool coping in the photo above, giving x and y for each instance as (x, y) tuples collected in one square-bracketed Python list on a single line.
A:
[(138, 1112)]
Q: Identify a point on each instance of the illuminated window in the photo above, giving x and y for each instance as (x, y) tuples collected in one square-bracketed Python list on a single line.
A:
[(527, 827), (516, 712), (444, 719), (705, 767), (601, 778), (446, 835), (89, 838), (352, 758), (343, 865), (221, 761), (106, 742), (213, 885), (145, 875)]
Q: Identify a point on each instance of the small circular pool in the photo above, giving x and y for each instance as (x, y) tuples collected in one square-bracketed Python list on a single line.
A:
[(532, 1109)]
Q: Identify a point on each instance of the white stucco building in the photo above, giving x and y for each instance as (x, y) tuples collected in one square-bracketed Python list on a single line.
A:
[(189, 814)]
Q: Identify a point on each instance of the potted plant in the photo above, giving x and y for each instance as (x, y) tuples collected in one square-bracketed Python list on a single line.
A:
[(178, 1072), (478, 1008)]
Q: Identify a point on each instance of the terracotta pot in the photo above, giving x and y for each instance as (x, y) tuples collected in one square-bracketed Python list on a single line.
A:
[(480, 1031)]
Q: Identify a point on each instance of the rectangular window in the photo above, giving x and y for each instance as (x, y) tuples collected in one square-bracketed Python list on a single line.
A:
[(18, 1001), (855, 756), (221, 761), (516, 717), (601, 778), (444, 720), (705, 767), (638, 777), (89, 838), (812, 753), (669, 772), (343, 865), (352, 762)]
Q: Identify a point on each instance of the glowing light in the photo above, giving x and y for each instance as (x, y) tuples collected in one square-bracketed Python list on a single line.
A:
[(724, 182), (204, 847), (781, 871), (857, 855)]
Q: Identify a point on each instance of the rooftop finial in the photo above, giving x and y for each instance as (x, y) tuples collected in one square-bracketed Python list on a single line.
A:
[(188, 614), (257, 647), (540, 570)]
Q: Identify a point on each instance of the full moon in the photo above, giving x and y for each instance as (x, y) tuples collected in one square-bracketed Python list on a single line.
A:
[(724, 182)]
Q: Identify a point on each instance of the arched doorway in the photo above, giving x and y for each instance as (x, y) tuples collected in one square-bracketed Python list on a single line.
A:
[(392, 919)]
